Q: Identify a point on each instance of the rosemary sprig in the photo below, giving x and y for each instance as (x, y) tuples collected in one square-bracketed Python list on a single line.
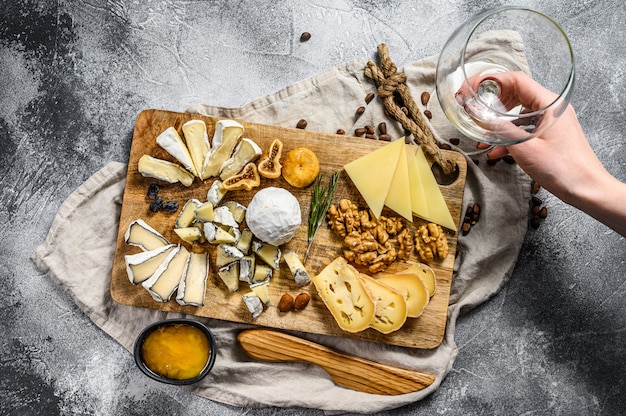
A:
[(320, 202)]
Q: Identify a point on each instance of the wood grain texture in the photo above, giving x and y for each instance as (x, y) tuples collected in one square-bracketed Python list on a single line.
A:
[(333, 152), (346, 370)]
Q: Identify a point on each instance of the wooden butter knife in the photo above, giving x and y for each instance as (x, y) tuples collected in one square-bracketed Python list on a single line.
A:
[(345, 370)]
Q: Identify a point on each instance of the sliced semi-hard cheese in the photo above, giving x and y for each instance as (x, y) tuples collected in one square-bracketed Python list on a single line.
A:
[(391, 308), (163, 283), (173, 144), (419, 205), (340, 287), (438, 211), (197, 141), (141, 266), (225, 138), (372, 174), (399, 195), (412, 287), (140, 234), (246, 151), (426, 274), (193, 283), (163, 170)]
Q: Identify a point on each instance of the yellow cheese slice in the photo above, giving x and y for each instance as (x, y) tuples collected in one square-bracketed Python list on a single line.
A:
[(391, 308), (413, 287), (373, 173), (438, 211), (419, 205), (399, 195), (426, 275)]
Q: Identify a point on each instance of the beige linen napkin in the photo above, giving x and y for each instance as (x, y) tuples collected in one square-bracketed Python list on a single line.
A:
[(485, 257)]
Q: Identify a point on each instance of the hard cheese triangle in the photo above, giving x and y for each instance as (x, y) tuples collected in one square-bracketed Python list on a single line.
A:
[(419, 204), (438, 211), (373, 173), (399, 195)]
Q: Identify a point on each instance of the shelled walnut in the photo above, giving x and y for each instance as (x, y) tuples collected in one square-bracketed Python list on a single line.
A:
[(431, 242)]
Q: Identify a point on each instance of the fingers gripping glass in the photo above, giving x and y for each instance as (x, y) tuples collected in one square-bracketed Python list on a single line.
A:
[(505, 75)]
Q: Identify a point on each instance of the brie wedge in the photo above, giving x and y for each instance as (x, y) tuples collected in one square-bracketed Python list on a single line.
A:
[(216, 192), (173, 144), (197, 141), (246, 151), (227, 254), (140, 234), (225, 138), (269, 253), (141, 266), (160, 169), (163, 283), (192, 285)]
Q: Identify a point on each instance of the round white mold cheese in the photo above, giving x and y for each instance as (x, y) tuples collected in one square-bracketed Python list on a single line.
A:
[(274, 215)]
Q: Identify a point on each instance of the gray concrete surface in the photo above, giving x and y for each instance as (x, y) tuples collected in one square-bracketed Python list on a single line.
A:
[(73, 76)]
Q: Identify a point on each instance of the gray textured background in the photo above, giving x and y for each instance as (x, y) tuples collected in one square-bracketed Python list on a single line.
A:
[(73, 77)]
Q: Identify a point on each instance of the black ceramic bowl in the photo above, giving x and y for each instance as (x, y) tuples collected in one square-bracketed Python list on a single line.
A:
[(149, 329)]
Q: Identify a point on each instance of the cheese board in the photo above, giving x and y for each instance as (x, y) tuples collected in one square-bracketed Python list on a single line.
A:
[(333, 152)]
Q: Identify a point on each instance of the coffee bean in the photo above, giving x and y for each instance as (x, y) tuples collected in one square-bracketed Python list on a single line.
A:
[(385, 137), (509, 159), (305, 36), (370, 136), (428, 114), (301, 124), (382, 127), (536, 201), (536, 187), (425, 97), (340, 131), (369, 97), (543, 213), (534, 210), (492, 162), (445, 146), (358, 132), (455, 141), (476, 209), (466, 228), (369, 129), (360, 110), (535, 222)]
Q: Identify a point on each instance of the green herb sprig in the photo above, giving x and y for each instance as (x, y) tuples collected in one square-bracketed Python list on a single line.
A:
[(320, 202)]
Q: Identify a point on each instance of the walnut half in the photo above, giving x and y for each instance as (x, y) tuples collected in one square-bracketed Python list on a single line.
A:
[(431, 243)]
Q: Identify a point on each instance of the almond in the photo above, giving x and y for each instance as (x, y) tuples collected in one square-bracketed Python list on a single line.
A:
[(286, 302), (301, 301)]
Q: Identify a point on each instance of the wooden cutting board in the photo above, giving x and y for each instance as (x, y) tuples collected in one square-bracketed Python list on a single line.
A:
[(333, 152)]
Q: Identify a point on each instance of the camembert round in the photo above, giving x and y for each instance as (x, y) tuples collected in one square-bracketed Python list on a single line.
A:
[(274, 215)]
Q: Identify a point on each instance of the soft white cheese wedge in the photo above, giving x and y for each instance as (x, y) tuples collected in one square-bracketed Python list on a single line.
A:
[(230, 276), (299, 272), (160, 169), (173, 144), (216, 192), (222, 215), (262, 290), (192, 286), (227, 254), (204, 212), (217, 235), (253, 303), (246, 268), (262, 272), (225, 139), (197, 141), (141, 266), (269, 253), (164, 282), (245, 240), (237, 210), (140, 234), (246, 151)]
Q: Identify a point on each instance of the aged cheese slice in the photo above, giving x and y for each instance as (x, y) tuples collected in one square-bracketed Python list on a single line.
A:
[(230, 276), (438, 211), (173, 144), (226, 137), (193, 283), (372, 174), (419, 205), (299, 272), (197, 141), (391, 308), (164, 282), (399, 195), (246, 151), (341, 290), (140, 234), (141, 266), (411, 285), (163, 170), (426, 274)]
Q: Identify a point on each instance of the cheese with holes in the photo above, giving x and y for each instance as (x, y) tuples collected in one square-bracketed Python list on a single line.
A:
[(341, 290), (373, 173), (163, 283), (173, 144), (163, 170), (413, 289), (399, 195), (142, 235), (192, 286), (438, 211), (246, 151), (141, 266), (197, 141), (391, 309), (225, 139)]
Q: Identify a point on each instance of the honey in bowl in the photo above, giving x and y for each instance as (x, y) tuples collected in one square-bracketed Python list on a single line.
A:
[(176, 351)]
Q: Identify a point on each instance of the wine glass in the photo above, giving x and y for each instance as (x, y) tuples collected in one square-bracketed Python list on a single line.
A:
[(479, 63)]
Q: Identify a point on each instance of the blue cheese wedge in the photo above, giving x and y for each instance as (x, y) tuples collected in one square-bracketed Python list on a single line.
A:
[(140, 234), (192, 286), (163, 170), (141, 266), (164, 282), (269, 253), (173, 144), (197, 141), (237, 210), (225, 139), (245, 241), (246, 268), (230, 276), (190, 234), (253, 303), (227, 253), (300, 274), (187, 214), (204, 212), (216, 192), (246, 151), (217, 235)]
